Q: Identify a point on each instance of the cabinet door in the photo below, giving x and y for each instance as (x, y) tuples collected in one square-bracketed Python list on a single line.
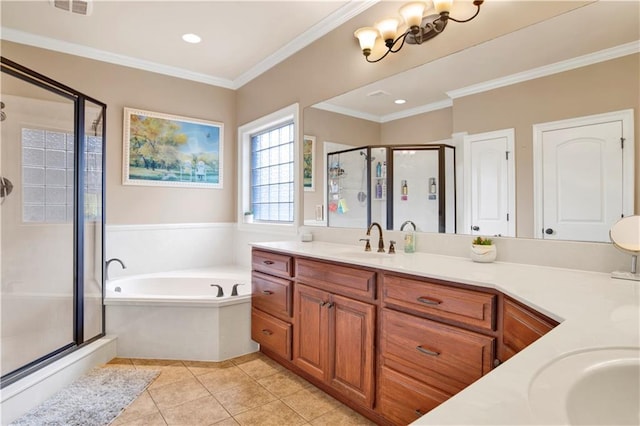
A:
[(351, 348), (521, 327), (310, 343)]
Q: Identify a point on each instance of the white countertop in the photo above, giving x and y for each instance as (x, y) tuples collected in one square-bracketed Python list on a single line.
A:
[(595, 311)]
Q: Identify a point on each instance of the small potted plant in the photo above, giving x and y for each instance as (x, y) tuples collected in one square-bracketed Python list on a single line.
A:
[(483, 250), (248, 217)]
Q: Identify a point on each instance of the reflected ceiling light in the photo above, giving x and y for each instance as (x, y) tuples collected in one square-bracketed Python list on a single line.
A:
[(420, 28), (399, 101), (191, 38)]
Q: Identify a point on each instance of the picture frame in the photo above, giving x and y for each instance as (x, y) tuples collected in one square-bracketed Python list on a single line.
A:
[(171, 150), (308, 151)]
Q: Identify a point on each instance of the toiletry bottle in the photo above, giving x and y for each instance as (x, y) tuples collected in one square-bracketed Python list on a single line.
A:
[(378, 169), (405, 188), (378, 190), (409, 237)]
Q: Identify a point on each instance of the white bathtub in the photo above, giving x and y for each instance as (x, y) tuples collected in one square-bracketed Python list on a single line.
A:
[(177, 315)]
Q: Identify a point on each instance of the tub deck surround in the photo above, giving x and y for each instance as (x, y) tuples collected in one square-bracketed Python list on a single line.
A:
[(187, 321), (595, 311)]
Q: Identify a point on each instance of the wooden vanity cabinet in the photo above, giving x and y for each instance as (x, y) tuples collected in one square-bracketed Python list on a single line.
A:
[(334, 340), (271, 302), (521, 326), (435, 340)]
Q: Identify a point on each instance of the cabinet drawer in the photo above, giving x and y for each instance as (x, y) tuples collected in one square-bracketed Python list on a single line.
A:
[(272, 263), (271, 295), (403, 399), (271, 333), (343, 280), (521, 327), (440, 355), (468, 307)]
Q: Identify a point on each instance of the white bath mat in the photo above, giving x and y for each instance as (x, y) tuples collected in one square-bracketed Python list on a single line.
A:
[(95, 399)]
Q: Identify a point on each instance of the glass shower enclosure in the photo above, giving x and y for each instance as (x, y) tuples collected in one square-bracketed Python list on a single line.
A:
[(51, 220)]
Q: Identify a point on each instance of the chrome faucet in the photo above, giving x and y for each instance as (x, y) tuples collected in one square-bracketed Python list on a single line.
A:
[(380, 240), (106, 269)]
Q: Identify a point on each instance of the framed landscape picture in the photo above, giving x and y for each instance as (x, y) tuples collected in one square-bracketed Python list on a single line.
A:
[(308, 148), (169, 150)]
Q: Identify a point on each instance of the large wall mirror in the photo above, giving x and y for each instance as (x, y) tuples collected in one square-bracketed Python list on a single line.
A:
[(514, 95)]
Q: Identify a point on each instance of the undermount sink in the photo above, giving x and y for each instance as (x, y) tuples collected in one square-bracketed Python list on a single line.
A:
[(595, 387), (361, 254)]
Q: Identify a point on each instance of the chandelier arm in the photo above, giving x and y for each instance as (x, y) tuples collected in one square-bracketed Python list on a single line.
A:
[(466, 20), (390, 49)]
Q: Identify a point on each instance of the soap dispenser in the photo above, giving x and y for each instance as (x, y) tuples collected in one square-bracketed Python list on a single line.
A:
[(409, 237)]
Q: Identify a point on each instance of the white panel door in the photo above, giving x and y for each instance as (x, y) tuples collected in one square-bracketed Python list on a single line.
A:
[(490, 183), (582, 181)]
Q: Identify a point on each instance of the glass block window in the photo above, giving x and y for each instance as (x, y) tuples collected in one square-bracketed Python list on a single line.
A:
[(272, 162), (47, 176)]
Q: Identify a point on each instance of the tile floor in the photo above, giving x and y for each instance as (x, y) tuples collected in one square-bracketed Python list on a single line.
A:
[(248, 390)]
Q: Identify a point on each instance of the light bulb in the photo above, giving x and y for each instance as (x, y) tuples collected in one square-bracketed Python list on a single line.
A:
[(367, 38), (412, 13), (442, 5), (388, 28)]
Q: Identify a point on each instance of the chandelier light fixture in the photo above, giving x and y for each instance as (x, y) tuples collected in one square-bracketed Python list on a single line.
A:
[(420, 28)]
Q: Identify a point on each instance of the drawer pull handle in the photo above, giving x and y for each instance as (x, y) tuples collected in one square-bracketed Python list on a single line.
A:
[(428, 301), (427, 351), (267, 332), (268, 262), (267, 292), (419, 413)]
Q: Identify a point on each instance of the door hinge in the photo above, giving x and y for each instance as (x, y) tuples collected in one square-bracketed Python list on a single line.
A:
[(506, 154), (621, 143), (507, 217)]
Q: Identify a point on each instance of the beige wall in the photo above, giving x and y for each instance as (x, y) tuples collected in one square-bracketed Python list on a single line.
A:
[(331, 127), (120, 87), (428, 127), (608, 86)]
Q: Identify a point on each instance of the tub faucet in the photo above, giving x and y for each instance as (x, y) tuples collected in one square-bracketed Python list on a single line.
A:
[(220, 292), (234, 289), (380, 240), (106, 269)]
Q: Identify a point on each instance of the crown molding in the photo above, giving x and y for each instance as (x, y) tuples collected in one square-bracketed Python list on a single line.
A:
[(113, 58), (433, 106), (347, 111), (328, 24), (558, 67)]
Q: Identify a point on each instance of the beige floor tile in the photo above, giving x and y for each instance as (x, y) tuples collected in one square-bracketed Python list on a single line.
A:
[(284, 383), (244, 397), (120, 362), (274, 413), (171, 374), (199, 412), (311, 403), (260, 367), (177, 393), (342, 416), (248, 357), (140, 362), (203, 367), (227, 422), (142, 406), (154, 419), (221, 379)]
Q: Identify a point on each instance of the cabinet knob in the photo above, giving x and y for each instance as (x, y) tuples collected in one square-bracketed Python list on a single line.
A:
[(267, 332), (330, 305), (322, 303), (419, 412)]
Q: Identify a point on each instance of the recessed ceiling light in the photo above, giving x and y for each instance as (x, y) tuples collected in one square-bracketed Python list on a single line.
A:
[(191, 38), (399, 101)]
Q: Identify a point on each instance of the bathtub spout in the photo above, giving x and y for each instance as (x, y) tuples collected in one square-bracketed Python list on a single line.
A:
[(234, 290), (220, 292), (106, 269)]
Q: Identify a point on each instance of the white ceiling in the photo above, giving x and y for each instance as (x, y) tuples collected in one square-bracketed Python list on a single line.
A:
[(242, 39)]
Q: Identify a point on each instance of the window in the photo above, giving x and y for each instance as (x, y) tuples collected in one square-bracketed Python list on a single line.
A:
[(268, 170), (272, 174)]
